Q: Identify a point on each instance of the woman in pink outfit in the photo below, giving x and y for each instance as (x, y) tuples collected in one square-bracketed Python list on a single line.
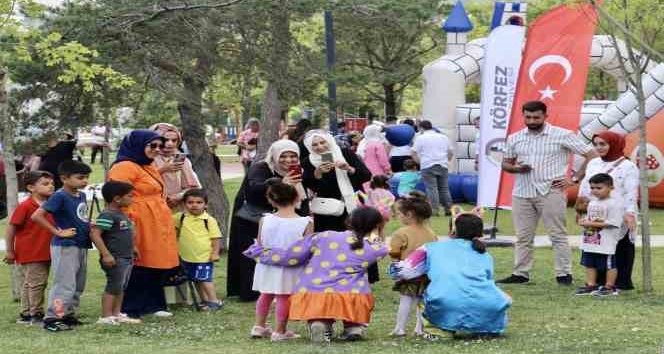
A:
[(375, 154)]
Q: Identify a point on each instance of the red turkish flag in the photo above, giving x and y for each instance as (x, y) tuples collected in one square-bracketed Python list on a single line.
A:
[(553, 70)]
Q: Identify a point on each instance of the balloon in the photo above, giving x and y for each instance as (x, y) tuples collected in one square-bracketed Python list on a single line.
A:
[(400, 134)]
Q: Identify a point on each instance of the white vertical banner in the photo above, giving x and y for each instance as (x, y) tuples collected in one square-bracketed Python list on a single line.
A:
[(500, 72)]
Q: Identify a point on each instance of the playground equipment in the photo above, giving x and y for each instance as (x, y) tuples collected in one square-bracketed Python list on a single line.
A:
[(445, 79)]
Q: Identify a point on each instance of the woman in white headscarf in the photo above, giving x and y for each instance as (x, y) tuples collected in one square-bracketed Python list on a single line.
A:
[(282, 163), (374, 152), (332, 172)]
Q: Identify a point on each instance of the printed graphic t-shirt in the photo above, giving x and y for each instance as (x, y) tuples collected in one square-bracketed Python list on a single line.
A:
[(70, 211)]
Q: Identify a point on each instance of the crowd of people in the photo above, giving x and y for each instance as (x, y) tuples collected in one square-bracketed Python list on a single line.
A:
[(308, 229)]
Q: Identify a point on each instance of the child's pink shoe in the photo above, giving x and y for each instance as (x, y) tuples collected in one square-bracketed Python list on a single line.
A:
[(276, 337), (260, 332)]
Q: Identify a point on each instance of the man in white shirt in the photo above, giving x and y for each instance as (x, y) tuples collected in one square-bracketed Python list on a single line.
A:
[(433, 152), (538, 156)]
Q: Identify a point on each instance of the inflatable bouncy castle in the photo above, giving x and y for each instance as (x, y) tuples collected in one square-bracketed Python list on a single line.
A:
[(445, 105)]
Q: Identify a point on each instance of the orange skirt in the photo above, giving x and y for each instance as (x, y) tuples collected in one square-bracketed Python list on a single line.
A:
[(348, 307)]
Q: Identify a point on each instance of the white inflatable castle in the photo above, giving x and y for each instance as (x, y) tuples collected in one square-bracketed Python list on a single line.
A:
[(445, 79)]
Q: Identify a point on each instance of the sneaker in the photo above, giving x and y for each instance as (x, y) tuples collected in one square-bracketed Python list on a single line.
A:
[(605, 291), (37, 319), (56, 326), (71, 320), (352, 334), (110, 321), (123, 318), (163, 314), (214, 305), (513, 279), (398, 334), (320, 332), (24, 319), (585, 290), (277, 337), (260, 332), (565, 280)]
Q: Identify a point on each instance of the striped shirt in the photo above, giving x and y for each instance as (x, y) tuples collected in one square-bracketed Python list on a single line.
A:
[(547, 152)]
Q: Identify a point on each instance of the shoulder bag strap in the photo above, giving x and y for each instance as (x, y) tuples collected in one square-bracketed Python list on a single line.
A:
[(615, 164)]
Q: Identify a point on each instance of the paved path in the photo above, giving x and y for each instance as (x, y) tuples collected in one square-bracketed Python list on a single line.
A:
[(231, 170)]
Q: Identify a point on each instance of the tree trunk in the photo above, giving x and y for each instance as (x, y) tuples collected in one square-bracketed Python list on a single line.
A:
[(271, 113), (189, 107), (277, 76), (11, 179), (390, 100), (247, 86), (643, 189)]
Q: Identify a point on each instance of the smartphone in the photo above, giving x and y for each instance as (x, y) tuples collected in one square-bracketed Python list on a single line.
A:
[(295, 170), (179, 158), (327, 157)]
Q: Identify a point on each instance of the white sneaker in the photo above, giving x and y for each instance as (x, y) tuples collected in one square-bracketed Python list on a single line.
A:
[(110, 320), (261, 332), (163, 314), (123, 318)]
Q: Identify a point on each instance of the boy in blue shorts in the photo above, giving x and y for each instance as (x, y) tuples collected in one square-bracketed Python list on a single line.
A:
[(198, 244), (602, 230), (69, 246)]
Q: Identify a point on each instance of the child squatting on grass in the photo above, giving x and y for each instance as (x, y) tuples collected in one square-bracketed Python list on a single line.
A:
[(199, 243), (334, 285), (28, 245), (462, 295), (69, 246), (602, 230), (113, 235)]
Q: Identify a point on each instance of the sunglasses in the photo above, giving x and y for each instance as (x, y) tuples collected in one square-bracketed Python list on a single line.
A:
[(155, 146)]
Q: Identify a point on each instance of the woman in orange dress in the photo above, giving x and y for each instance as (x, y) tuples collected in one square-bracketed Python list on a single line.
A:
[(155, 237)]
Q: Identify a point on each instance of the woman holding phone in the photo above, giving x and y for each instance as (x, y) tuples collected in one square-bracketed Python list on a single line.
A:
[(174, 166), (281, 163), (333, 173)]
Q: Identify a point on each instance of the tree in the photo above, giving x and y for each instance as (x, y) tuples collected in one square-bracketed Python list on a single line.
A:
[(383, 45), (639, 24)]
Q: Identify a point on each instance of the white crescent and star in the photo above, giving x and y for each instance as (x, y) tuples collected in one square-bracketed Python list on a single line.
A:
[(548, 92)]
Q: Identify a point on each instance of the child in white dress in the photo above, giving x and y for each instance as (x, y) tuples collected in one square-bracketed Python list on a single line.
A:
[(278, 230)]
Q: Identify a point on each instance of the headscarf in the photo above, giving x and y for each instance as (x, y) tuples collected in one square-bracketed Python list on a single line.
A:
[(250, 121), (272, 159), (345, 187), (616, 145), (274, 152), (179, 181), (372, 133), (133, 146), (163, 128)]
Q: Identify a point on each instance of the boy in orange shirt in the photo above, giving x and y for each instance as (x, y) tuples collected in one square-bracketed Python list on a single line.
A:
[(28, 244)]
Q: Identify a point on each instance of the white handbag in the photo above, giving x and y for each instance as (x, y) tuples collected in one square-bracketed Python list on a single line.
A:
[(327, 206)]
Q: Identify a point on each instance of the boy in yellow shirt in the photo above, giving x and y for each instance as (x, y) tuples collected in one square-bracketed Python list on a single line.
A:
[(198, 243)]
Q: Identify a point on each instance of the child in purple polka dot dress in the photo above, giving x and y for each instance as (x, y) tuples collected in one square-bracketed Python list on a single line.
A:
[(334, 285), (279, 230)]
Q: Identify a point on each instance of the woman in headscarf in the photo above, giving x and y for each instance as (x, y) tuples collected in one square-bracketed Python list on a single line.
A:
[(375, 154), (282, 162), (335, 173), (610, 146), (155, 237), (175, 168)]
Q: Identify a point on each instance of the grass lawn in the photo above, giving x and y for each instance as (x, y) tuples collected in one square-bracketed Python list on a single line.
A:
[(545, 318)]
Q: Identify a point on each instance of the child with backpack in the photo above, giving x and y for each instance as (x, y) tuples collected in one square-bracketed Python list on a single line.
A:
[(199, 244)]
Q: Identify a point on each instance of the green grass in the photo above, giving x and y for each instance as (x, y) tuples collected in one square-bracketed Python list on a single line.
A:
[(545, 318)]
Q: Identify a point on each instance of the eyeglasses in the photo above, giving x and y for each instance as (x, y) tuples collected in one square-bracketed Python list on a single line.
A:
[(155, 146)]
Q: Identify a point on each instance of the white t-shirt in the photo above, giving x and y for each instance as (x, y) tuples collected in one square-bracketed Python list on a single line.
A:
[(604, 241), (432, 148), (405, 150)]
